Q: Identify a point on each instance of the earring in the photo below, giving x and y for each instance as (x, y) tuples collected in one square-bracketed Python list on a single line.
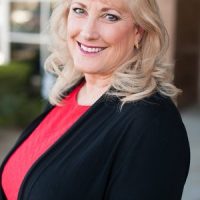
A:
[(137, 45)]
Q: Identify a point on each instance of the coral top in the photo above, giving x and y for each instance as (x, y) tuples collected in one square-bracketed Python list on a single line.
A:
[(54, 125)]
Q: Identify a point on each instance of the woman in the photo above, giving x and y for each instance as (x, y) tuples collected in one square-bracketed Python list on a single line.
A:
[(112, 131)]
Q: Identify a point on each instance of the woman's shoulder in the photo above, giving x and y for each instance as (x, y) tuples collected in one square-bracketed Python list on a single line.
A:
[(153, 106), (154, 114), (154, 123)]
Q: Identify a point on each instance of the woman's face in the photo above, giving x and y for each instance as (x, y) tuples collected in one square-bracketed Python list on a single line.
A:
[(100, 34)]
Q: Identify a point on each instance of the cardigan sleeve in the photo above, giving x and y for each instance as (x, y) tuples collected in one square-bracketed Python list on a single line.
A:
[(152, 162)]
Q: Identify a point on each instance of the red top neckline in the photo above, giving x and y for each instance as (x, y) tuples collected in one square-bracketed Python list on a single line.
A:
[(74, 95), (52, 127)]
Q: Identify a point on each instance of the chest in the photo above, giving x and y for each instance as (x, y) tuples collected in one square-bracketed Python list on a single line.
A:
[(77, 166)]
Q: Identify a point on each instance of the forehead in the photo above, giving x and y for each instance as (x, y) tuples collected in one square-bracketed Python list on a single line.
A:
[(116, 4)]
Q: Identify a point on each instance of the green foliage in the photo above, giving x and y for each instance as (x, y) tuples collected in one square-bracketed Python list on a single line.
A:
[(20, 102)]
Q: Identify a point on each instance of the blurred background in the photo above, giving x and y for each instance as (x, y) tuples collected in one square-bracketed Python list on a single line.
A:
[(24, 85)]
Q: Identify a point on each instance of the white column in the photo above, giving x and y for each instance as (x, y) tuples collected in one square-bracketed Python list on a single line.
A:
[(44, 18), (4, 26), (168, 12), (47, 79), (1, 39)]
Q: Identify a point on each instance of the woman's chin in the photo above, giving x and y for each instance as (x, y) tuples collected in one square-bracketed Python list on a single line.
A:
[(86, 70)]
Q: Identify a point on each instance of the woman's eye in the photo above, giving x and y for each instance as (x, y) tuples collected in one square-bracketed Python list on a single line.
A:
[(111, 17), (78, 10)]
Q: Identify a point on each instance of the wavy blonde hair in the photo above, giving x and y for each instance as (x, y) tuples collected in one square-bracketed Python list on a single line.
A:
[(137, 78)]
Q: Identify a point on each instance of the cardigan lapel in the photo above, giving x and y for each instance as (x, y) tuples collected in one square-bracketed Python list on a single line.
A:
[(23, 136), (27, 131), (30, 129)]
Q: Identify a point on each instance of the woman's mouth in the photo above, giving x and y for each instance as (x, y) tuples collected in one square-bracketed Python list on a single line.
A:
[(90, 49)]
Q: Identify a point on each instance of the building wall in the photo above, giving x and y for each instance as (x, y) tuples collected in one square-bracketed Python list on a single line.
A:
[(187, 50), (182, 19), (168, 12)]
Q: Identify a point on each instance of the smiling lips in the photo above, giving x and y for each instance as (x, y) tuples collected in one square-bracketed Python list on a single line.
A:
[(89, 49)]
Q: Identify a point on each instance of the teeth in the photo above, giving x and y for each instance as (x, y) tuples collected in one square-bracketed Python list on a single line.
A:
[(91, 50)]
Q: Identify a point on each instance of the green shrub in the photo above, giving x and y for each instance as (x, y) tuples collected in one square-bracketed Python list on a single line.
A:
[(20, 102)]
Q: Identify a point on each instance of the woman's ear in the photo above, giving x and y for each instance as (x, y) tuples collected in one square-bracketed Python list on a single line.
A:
[(139, 33)]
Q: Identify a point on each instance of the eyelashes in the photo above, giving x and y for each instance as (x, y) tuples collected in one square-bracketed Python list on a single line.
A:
[(112, 17), (78, 10), (107, 16)]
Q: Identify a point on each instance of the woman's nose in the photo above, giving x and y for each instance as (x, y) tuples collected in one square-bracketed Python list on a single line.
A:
[(89, 29)]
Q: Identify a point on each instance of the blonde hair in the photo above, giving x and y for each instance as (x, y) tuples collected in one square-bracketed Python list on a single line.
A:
[(137, 78)]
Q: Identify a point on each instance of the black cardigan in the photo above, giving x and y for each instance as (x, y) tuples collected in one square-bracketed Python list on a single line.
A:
[(138, 153)]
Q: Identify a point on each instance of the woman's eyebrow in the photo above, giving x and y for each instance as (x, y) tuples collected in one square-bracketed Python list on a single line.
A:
[(104, 9), (81, 4), (107, 9), (116, 9)]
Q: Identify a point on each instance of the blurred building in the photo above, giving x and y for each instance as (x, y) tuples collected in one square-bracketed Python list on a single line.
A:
[(187, 50), (23, 33), (182, 19), (22, 28), (23, 37)]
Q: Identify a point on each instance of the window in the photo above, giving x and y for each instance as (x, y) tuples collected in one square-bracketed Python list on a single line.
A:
[(25, 17)]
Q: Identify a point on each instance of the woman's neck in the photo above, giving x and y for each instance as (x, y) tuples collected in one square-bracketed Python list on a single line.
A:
[(93, 89)]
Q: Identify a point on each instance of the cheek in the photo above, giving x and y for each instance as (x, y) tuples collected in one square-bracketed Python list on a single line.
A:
[(119, 36), (72, 27), (121, 41), (71, 33), (71, 30)]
